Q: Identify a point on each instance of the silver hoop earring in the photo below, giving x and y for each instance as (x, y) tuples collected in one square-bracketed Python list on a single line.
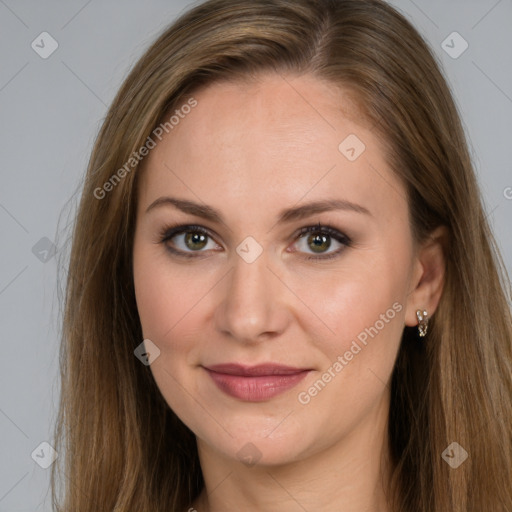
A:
[(422, 316)]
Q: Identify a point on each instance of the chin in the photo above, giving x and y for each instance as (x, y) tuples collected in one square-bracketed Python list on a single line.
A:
[(262, 441)]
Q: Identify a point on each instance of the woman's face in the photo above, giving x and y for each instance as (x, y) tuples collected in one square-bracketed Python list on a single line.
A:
[(252, 165)]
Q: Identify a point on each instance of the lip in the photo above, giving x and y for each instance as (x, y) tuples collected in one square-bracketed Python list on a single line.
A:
[(255, 383)]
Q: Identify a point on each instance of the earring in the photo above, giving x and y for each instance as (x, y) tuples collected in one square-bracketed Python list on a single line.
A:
[(421, 315)]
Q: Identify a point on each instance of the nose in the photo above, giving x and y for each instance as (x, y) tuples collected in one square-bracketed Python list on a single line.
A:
[(253, 307)]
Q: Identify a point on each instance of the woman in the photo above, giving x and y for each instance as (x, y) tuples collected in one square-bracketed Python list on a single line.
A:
[(283, 293)]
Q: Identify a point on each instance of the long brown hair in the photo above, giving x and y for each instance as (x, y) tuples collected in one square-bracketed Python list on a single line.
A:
[(121, 446)]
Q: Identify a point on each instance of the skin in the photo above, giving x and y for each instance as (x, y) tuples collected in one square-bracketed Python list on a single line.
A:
[(250, 150)]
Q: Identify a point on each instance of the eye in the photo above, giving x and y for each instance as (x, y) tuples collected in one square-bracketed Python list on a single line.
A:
[(319, 240), (189, 239), (185, 240)]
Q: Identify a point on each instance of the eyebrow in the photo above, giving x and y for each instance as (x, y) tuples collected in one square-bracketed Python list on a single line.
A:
[(285, 216)]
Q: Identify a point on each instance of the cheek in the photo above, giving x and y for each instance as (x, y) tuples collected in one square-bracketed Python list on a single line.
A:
[(362, 318), (165, 293), (174, 307), (167, 304), (352, 302)]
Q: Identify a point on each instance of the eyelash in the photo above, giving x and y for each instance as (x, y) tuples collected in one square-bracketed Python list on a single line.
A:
[(169, 232)]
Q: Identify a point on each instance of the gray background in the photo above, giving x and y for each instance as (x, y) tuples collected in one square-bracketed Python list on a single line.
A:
[(51, 110)]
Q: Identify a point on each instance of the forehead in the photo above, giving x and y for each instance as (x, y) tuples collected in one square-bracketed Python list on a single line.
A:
[(272, 141)]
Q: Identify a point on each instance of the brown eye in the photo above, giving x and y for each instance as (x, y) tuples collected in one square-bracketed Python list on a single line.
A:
[(318, 239), (195, 241), (319, 242), (187, 240)]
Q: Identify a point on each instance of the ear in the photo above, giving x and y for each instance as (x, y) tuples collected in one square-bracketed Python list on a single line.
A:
[(428, 275)]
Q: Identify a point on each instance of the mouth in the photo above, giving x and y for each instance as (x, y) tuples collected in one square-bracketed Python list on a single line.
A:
[(255, 383)]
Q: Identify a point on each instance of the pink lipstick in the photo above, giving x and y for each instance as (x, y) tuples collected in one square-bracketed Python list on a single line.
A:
[(255, 383)]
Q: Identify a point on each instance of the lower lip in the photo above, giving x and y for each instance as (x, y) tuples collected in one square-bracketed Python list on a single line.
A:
[(258, 388)]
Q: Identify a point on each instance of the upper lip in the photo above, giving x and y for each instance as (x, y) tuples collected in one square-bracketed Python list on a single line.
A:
[(258, 370)]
